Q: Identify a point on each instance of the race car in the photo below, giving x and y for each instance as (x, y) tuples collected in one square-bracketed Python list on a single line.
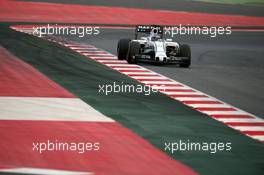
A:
[(153, 48)]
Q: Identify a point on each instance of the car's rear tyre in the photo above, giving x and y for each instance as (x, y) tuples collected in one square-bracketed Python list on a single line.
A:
[(185, 51), (122, 48), (134, 49)]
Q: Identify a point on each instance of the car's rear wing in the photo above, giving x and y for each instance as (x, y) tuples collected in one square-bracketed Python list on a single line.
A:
[(147, 29)]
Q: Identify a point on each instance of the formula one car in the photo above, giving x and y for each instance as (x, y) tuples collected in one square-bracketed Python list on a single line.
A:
[(153, 48)]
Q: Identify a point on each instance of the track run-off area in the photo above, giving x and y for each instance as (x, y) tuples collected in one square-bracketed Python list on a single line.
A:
[(49, 92), (235, 118)]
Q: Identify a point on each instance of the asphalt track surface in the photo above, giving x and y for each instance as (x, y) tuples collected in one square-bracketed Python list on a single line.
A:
[(173, 5), (230, 68)]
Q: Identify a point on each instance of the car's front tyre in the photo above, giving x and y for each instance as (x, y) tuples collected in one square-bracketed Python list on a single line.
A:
[(122, 48), (133, 50)]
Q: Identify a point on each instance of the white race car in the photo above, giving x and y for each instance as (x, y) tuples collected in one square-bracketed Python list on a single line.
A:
[(153, 48)]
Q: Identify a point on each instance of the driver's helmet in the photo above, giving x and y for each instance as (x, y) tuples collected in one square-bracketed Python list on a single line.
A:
[(154, 36)]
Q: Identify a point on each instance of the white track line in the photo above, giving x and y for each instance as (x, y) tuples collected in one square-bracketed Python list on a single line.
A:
[(78, 49), (166, 88), (95, 54), (223, 112), (135, 69), (42, 171), (242, 120), (257, 137), (248, 128), (42, 108), (195, 99), (182, 93), (79, 45), (122, 65), (90, 51), (104, 57), (209, 105), (113, 61), (159, 82), (149, 77), (139, 73)]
